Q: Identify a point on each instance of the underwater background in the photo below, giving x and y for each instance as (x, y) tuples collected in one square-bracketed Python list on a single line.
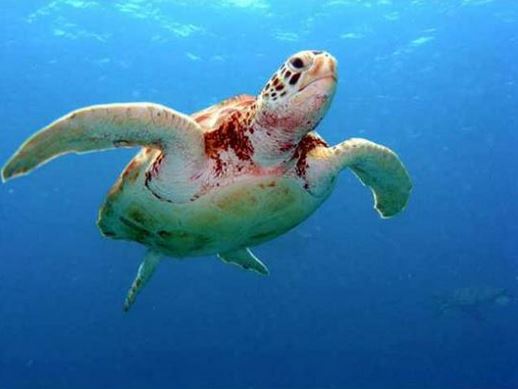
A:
[(352, 300)]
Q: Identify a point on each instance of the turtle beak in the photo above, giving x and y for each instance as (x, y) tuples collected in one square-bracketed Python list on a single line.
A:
[(324, 68)]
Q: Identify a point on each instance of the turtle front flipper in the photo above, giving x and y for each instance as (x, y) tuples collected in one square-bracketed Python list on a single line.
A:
[(102, 127), (245, 259), (377, 167), (145, 271)]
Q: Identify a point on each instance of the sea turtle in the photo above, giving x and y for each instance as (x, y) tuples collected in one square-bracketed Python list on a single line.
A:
[(470, 300), (224, 179)]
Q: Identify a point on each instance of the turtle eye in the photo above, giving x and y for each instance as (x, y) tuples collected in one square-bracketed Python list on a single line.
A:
[(297, 63)]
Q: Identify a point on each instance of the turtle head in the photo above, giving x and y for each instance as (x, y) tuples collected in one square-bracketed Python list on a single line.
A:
[(298, 95)]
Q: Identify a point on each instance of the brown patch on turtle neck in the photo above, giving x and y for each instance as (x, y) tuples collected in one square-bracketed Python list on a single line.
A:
[(307, 143), (207, 117), (231, 134)]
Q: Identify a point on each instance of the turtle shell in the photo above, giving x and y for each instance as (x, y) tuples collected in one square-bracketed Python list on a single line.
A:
[(238, 209)]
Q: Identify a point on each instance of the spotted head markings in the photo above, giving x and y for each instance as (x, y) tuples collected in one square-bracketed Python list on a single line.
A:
[(288, 74)]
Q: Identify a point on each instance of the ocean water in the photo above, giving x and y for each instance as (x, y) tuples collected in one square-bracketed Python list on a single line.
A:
[(351, 301)]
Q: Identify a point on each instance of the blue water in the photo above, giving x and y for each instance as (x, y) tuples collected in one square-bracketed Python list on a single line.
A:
[(349, 302)]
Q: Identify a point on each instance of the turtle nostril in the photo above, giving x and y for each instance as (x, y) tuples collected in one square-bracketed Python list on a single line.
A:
[(316, 52)]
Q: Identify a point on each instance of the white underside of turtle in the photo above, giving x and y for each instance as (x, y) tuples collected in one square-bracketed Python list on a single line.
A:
[(227, 178)]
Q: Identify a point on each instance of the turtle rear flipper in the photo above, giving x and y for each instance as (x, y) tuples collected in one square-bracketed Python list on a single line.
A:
[(145, 271), (102, 127), (245, 259)]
